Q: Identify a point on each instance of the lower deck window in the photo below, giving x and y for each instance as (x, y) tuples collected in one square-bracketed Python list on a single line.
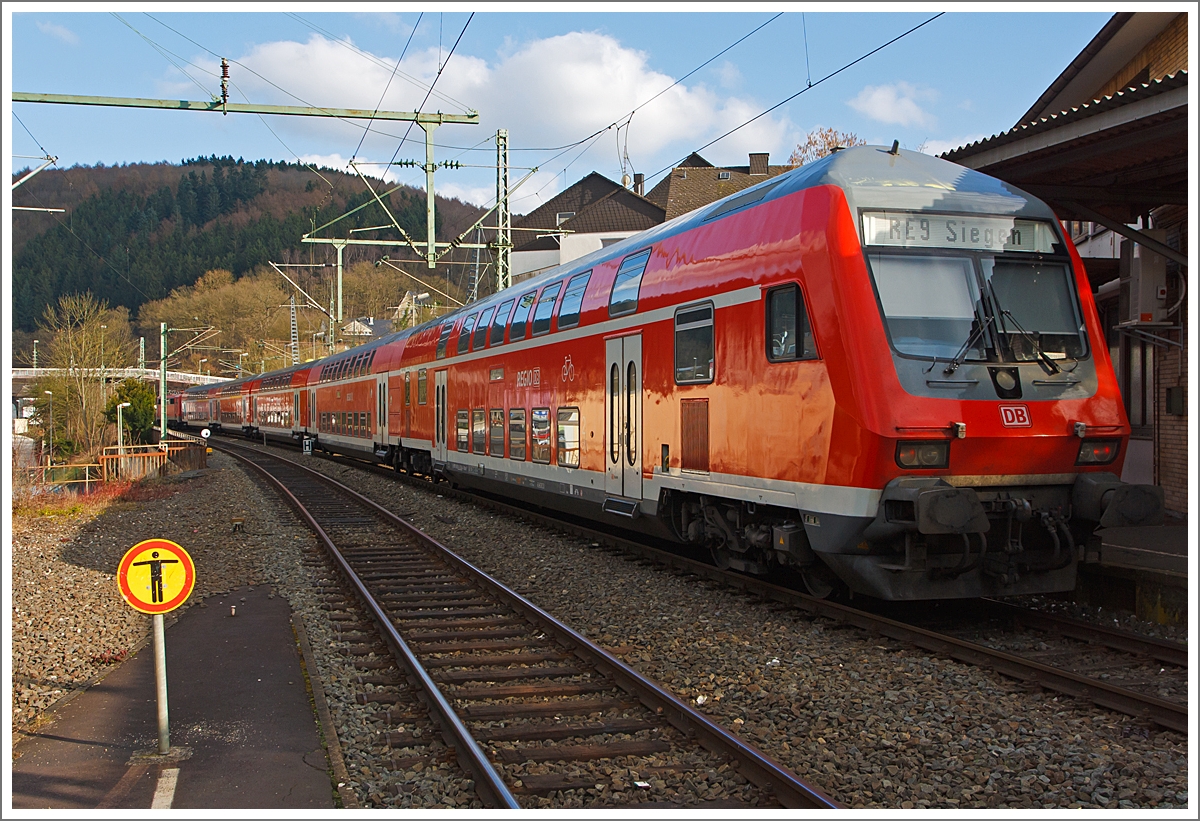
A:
[(463, 430), (496, 432), (568, 437), (478, 430), (516, 434), (540, 431)]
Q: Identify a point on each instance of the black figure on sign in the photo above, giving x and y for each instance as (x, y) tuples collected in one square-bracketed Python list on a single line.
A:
[(156, 585)]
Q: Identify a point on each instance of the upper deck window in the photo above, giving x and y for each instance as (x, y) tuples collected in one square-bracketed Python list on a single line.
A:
[(464, 335), (444, 338), (497, 335), (628, 284), (568, 312), (545, 307), (519, 325), (481, 330)]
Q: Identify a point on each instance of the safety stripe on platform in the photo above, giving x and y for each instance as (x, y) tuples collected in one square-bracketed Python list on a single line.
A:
[(164, 793)]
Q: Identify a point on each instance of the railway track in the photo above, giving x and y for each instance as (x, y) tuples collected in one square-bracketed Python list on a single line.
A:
[(1073, 672), (530, 710)]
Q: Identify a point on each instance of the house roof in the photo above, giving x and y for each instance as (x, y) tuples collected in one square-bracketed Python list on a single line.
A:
[(599, 205), (1121, 154), (1121, 38), (696, 182)]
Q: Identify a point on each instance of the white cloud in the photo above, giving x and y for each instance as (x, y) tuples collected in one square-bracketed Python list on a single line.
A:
[(61, 32), (935, 147), (548, 92), (729, 74), (898, 103)]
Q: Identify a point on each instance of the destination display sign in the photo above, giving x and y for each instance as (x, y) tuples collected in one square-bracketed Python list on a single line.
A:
[(923, 229)]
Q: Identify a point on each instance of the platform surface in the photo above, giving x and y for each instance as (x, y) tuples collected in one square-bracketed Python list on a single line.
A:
[(1161, 549), (242, 729)]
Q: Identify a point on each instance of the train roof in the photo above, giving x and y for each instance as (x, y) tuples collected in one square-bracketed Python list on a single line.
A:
[(871, 176)]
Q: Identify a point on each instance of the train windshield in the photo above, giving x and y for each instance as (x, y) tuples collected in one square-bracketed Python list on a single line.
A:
[(999, 299)]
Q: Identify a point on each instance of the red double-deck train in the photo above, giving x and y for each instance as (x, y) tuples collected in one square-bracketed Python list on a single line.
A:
[(882, 370)]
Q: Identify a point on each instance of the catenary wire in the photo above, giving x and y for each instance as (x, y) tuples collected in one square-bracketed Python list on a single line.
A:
[(367, 130)]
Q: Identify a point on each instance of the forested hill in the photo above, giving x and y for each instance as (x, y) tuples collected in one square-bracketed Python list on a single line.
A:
[(133, 233)]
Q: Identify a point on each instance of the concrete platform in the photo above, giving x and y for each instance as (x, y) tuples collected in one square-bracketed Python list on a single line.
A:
[(243, 731), (1140, 569)]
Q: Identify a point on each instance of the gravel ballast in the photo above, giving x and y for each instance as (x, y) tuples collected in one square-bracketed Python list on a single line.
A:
[(870, 721)]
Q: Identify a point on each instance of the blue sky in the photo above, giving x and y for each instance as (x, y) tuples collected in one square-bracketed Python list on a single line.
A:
[(552, 75)]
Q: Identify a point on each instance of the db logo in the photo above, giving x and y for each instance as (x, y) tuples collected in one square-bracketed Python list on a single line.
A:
[(1015, 416)]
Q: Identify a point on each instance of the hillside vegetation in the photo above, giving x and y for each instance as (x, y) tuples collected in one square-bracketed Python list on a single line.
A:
[(133, 234)]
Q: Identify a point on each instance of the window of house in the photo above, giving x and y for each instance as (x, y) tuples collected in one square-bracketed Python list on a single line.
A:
[(568, 437), (481, 330), (422, 387), (519, 325), (462, 430), (695, 347), (516, 434), (540, 433), (478, 430), (497, 335), (789, 335), (496, 432), (568, 312), (464, 335), (624, 297), (722, 175), (444, 339), (562, 216), (545, 307)]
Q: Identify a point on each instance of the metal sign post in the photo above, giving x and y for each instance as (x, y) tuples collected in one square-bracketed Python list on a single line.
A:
[(156, 576)]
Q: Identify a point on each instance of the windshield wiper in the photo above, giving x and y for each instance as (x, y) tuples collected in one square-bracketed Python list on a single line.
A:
[(953, 364), (1046, 363)]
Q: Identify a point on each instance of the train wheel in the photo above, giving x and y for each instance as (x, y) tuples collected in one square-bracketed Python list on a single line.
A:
[(819, 580), (720, 556)]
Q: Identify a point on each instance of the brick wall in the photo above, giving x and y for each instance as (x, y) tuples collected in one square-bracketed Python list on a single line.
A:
[(1171, 431), (1165, 54)]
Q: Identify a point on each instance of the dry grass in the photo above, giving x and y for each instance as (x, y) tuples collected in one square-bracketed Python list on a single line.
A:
[(33, 502)]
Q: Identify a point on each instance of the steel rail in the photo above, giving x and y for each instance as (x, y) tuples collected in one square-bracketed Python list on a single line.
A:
[(1171, 652), (1164, 713), (488, 782), (755, 766)]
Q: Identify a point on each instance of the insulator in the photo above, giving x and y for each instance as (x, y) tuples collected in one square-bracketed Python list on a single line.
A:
[(224, 69)]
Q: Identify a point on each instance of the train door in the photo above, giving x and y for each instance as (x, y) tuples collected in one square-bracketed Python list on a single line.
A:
[(623, 417), (439, 416), (381, 406)]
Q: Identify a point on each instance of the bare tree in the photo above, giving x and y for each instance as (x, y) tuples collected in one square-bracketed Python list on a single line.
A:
[(820, 143)]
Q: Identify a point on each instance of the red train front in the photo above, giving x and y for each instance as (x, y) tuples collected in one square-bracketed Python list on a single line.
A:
[(882, 370)]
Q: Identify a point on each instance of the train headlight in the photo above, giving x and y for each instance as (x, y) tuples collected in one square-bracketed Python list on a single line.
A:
[(923, 455), (1097, 451)]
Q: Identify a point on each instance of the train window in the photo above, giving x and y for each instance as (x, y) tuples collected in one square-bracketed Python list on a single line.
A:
[(694, 344), (478, 431), (568, 312), (631, 394), (545, 308), (627, 285), (496, 432), (481, 330), (464, 335), (929, 303), (407, 389), (568, 437), (463, 431), (789, 335), (517, 331), (614, 413), (497, 335), (422, 387), (516, 434), (444, 339), (540, 451)]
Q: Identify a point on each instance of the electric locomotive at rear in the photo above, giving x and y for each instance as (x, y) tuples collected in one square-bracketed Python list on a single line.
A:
[(882, 370)]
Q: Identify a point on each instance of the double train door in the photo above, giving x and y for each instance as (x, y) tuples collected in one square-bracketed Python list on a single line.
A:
[(623, 417), (439, 416)]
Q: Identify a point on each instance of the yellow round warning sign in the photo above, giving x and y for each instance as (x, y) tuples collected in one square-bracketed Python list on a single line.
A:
[(156, 576)]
